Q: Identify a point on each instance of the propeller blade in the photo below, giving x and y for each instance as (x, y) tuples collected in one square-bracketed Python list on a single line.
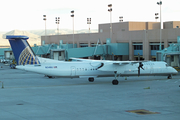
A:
[(140, 66)]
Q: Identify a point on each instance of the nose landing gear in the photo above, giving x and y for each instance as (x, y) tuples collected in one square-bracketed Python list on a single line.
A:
[(115, 81), (169, 76)]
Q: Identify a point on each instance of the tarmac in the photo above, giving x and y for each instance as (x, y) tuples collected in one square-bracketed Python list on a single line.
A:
[(30, 96)]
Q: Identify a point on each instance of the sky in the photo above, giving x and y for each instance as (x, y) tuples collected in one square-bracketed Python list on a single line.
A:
[(28, 14)]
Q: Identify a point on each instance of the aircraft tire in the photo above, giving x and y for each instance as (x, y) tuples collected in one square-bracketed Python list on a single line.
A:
[(169, 77), (115, 82), (91, 79), (50, 76)]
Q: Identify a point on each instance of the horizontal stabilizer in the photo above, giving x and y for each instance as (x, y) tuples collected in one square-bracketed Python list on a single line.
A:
[(15, 37)]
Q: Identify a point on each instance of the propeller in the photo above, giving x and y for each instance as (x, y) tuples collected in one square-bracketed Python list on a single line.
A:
[(140, 66)]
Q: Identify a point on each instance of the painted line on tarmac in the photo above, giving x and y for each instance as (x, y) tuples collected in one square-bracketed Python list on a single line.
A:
[(59, 85), (175, 81), (89, 83)]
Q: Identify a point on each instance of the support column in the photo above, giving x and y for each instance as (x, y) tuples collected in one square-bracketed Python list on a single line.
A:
[(165, 43), (89, 43), (146, 50), (131, 51)]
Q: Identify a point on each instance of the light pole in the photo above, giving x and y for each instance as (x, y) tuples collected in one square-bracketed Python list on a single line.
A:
[(44, 18), (121, 19), (57, 19), (145, 46), (72, 15), (160, 3), (89, 22), (110, 10), (156, 16)]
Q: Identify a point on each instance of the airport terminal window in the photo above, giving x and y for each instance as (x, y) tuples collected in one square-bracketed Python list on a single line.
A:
[(138, 47), (93, 45), (83, 44), (162, 47), (167, 65), (156, 47), (59, 53), (172, 58)]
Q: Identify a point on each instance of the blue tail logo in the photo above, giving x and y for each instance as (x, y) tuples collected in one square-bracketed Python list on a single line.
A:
[(22, 50)]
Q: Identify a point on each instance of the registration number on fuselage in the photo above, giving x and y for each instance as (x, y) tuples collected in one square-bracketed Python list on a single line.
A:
[(50, 66)]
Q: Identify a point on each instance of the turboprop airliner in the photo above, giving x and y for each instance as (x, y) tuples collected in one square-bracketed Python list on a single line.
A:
[(27, 60)]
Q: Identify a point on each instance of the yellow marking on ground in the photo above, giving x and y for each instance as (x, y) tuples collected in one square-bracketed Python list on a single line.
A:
[(142, 112), (177, 68), (147, 88)]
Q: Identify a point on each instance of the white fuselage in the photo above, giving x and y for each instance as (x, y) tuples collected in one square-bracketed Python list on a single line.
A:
[(98, 69)]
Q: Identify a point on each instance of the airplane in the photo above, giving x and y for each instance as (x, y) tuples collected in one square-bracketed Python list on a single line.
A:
[(27, 60)]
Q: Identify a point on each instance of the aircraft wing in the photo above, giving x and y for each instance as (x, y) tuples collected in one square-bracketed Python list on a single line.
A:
[(115, 65), (110, 61), (108, 65)]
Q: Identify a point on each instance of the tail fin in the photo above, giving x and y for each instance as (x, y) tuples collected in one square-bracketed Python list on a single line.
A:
[(22, 50)]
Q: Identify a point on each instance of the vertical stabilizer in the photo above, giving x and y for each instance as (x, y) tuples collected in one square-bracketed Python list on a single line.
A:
[(22, 50)]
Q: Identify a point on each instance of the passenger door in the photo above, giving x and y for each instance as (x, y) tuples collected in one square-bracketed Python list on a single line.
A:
[(151, 69), (73, 71)]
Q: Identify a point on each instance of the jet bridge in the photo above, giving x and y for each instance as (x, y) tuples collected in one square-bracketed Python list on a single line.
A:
[(171, 55), (113, 51), (109, 51)]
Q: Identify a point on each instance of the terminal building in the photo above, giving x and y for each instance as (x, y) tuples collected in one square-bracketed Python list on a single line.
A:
[(127, 41)]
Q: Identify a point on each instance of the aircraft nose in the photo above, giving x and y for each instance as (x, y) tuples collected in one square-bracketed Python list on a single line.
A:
[(175, 71)]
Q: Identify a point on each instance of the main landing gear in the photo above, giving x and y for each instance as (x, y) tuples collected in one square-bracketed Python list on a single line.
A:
[(115, 81), (91, 79), (49, 76)]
